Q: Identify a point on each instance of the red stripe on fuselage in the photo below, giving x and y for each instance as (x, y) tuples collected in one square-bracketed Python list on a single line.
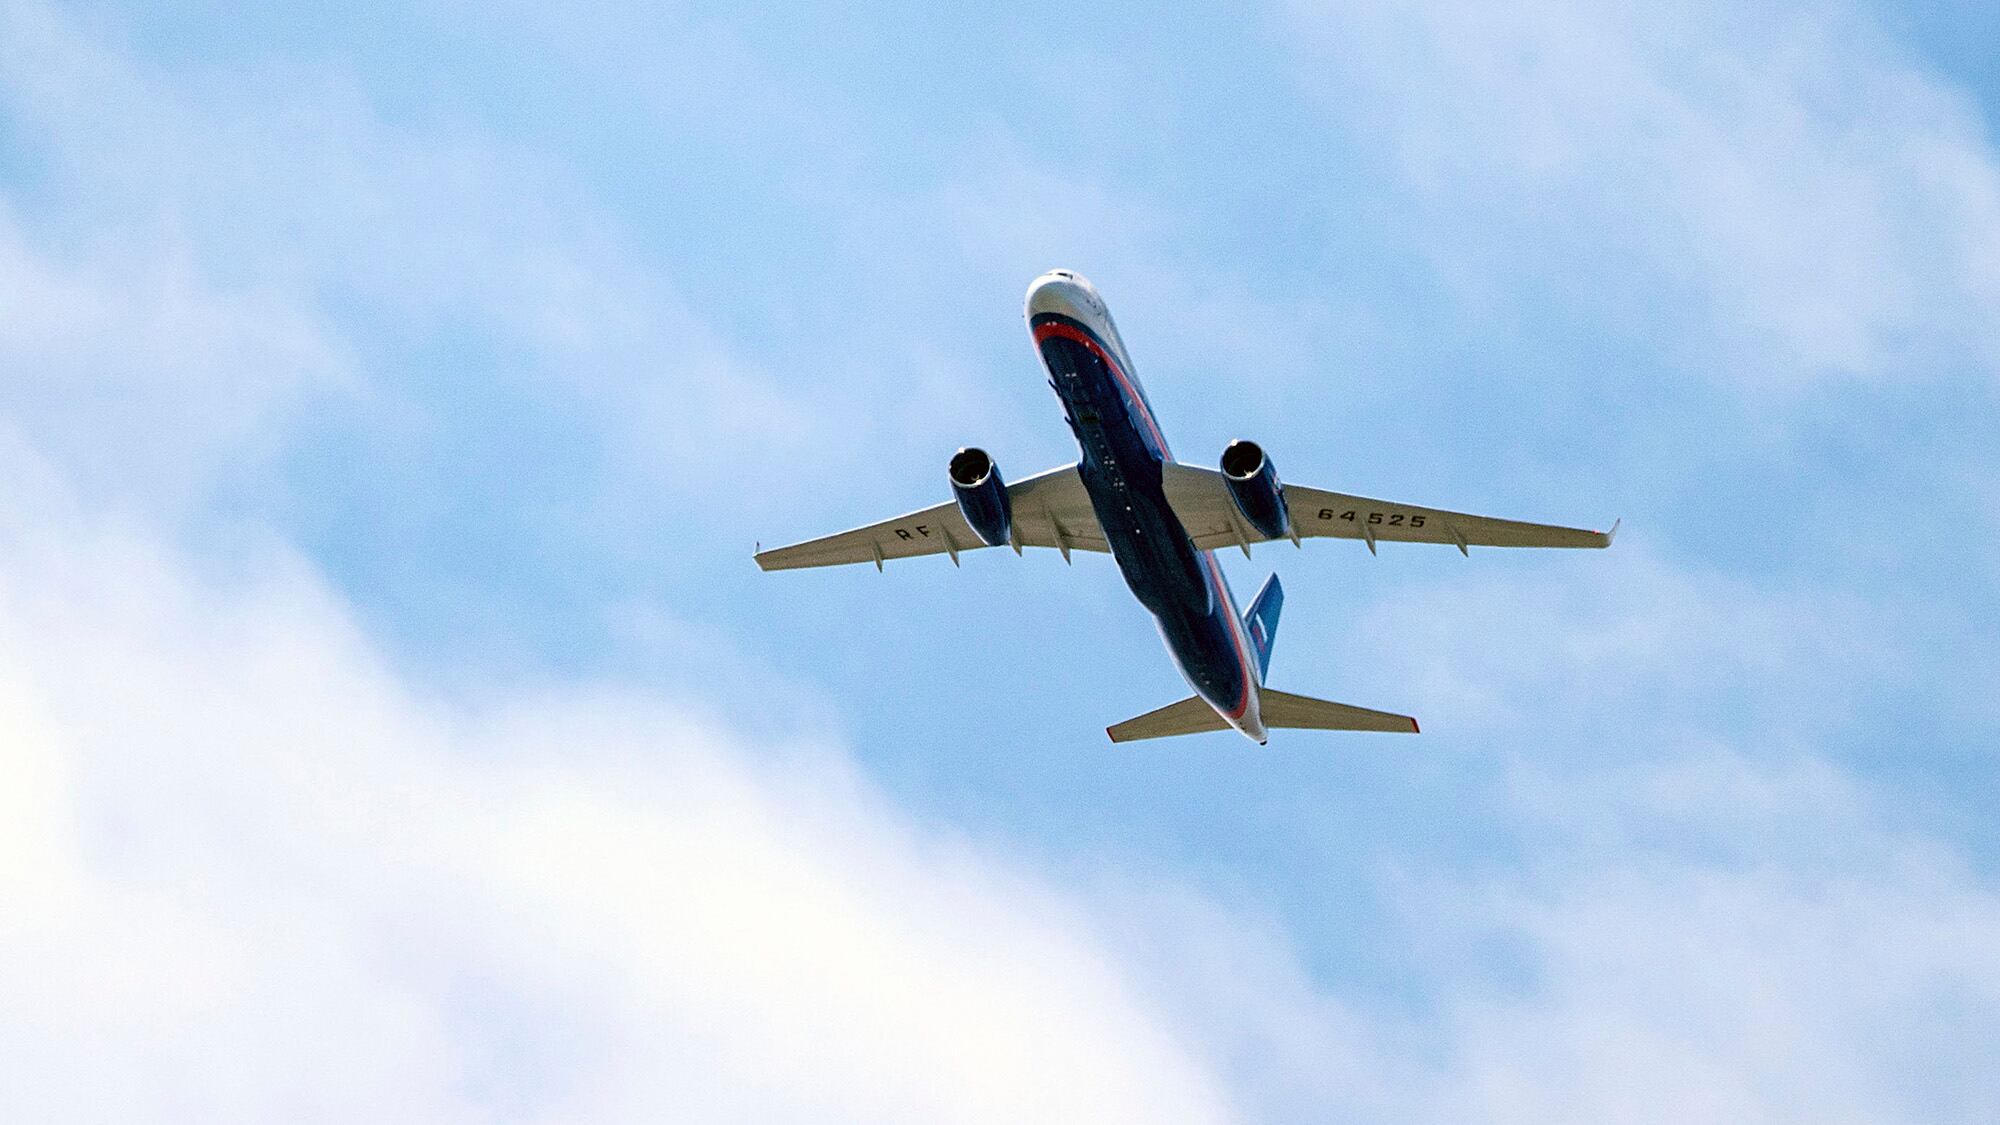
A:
[(1050, 328)]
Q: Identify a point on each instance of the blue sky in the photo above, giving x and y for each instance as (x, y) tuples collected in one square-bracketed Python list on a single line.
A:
[(394, 395)]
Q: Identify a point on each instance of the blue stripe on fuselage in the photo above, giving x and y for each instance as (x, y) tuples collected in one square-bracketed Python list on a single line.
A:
[(1123, 451)]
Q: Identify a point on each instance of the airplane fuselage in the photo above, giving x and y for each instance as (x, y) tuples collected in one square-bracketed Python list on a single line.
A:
[(1123, 455)]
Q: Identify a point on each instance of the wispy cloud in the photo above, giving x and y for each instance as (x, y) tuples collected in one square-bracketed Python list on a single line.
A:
[(1627, 638), (214, 243), (1727, 936), (1774, 192), (1710, 906)]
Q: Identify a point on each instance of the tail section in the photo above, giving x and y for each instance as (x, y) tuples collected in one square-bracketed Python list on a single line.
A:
[(1261, 619), (1282, 711)]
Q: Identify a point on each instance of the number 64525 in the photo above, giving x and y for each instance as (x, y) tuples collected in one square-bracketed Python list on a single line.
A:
[(1385, 519)]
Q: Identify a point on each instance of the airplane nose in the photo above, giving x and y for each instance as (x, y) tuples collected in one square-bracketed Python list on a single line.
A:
[(1065, 292)]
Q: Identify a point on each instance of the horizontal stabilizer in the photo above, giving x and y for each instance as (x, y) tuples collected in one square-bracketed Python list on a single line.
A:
[(1283, 710), (1192, 715)]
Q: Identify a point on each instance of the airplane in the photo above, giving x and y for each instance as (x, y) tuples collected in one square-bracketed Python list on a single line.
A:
[(1162, 522)]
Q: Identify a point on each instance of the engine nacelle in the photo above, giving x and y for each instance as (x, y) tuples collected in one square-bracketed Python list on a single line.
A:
[(1255, 487), (982, 496)]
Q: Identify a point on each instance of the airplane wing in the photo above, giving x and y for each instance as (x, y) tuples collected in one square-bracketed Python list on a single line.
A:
[(1051, 509), (1200, 497)]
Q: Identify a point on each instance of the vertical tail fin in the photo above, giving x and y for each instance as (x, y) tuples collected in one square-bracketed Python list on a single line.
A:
[(1261, 620)]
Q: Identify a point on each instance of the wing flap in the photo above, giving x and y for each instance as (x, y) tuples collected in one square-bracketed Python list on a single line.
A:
[(1051, 509)]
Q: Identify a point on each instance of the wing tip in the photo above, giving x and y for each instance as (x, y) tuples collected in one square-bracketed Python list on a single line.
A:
[(1414, 728)]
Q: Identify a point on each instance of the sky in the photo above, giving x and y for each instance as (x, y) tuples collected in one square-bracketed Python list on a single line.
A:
[(396, 728)]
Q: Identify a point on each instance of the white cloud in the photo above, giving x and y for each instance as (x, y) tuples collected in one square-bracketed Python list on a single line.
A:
[(250, 872), (249, 875), (1775, 189)]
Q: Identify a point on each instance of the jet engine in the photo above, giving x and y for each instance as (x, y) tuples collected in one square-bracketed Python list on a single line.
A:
[(1255, 487), (982, 497)]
